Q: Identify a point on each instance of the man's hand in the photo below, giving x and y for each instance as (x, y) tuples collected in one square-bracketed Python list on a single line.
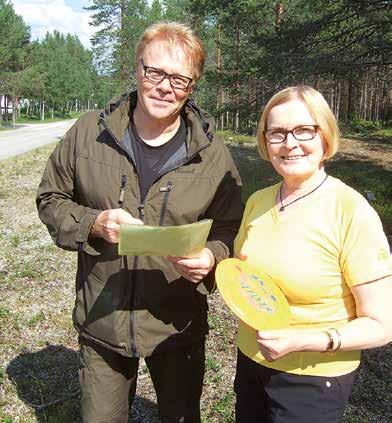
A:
[(194, 268), (107, 224)]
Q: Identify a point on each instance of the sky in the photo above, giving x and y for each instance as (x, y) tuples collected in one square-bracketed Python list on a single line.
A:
[(66, 16)]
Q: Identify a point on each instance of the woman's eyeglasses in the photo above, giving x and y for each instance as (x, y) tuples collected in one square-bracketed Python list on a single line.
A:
[(300, 133)]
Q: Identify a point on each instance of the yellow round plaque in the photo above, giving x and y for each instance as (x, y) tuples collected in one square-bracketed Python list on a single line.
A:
[(253, 297)]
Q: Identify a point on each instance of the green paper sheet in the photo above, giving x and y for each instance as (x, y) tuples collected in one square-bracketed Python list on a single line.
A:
[(183, 240)]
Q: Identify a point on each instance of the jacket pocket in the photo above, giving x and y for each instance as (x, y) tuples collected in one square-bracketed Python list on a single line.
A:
[(102, 308)]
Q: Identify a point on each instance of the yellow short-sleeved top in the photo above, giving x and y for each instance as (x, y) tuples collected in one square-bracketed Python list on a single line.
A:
[(315, 251)]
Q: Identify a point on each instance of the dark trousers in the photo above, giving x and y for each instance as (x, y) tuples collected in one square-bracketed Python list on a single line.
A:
[(272, 396), (108, 383)]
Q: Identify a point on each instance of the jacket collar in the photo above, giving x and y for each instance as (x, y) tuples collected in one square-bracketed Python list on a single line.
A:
[(116, 118)]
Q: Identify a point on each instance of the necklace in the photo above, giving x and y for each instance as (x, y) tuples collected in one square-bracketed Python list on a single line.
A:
[(283, 206)]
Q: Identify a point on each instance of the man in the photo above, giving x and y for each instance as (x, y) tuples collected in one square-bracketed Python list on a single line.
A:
[(149, 159)]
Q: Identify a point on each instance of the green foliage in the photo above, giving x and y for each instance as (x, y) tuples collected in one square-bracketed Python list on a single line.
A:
[(36, 319), (14, 36), (4, 314), (14, 63), (67, 69), (120, 23), (331, 37), (361, 125), (225, 407), (367, 130), (231, 137), (57, 72)]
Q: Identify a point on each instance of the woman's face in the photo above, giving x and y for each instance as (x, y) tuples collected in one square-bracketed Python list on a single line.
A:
[(293, 159)]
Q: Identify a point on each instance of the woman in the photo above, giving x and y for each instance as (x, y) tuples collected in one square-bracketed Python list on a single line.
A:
[(324, 246)]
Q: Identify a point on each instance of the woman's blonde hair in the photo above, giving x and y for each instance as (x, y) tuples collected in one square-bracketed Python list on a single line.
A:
[(173, 35), (318, 109)]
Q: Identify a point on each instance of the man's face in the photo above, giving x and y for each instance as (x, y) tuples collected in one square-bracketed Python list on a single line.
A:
[(161, 101)]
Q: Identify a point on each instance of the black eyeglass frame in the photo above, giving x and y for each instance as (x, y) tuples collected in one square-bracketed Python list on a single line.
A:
[(291, 131), (164, 74)]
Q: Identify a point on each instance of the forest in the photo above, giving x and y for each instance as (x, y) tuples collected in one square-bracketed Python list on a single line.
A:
[(254, 48)]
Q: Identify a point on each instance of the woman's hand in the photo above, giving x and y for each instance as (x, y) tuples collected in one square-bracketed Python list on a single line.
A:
[(274, 344)]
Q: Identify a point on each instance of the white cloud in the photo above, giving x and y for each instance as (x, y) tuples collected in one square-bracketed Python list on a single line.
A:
[(49, 15)]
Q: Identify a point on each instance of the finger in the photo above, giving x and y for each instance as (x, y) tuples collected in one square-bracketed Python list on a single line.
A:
[(110, 229), (123, 216), (271, 334), (265, 353), (242, 256), (193, 273), (176, 258), (194, 278), (192, 264)]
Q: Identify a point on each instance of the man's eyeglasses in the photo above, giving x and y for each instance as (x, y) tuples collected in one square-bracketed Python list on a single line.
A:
[(300, 133), (156, 76)]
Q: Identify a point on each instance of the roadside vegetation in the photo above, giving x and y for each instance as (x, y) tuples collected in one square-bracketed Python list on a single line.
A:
[(35, 119), (38, 345)]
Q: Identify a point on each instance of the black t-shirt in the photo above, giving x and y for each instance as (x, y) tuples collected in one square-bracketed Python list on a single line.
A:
[(149, 159)]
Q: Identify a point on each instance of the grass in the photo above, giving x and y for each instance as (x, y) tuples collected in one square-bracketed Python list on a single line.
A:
[(38, 345), (364, 130), (230, 136), (23, 119)]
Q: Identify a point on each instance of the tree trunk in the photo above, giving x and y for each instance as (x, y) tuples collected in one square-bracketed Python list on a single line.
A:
[(218, 63), (375, 115), (1, 110), (15, 102), (6, 107), (123, 46), (384, 100), (350, 99), (42, 109), (365, 96), (278, 15), (332, 100), (338, 96), (237, 97)]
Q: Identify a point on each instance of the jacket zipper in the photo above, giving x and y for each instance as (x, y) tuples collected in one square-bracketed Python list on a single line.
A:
[(133, 287), (122, 191), (167, 189), (121, 198), (141, 207), (135, 259)]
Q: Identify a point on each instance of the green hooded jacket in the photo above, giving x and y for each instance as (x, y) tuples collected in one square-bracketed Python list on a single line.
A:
[(138, 306)]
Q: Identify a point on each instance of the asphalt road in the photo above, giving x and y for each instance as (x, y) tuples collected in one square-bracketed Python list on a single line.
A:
[(28, 137)]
